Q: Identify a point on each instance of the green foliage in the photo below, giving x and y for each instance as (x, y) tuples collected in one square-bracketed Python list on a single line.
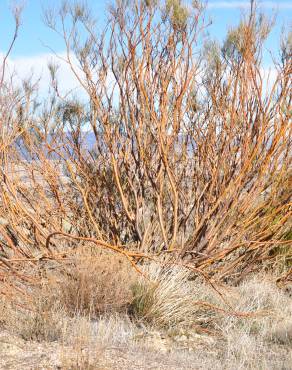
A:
[(286, 47), (150, 3), (212, 56), (143, 299), (288, 235), (234, 45), (283, 252), (248, 36), (177, 13)]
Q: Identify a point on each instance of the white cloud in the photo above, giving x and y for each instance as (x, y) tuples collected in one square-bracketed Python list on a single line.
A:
[(246, 4), (36, 68)]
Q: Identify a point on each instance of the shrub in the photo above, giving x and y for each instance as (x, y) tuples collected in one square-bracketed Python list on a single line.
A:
[(174, 149)]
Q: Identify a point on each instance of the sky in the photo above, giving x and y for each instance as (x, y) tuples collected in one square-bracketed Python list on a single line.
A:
[(31, 52)]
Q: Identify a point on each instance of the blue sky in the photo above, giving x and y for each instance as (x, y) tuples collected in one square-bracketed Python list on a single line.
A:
[(30, 51), (34, 34)]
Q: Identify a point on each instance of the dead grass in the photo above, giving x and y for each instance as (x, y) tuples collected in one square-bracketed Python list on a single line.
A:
[(93, 284), (165, 300), (87, 340), (272, 307), (89, 284), (166, 329), (42, 322)]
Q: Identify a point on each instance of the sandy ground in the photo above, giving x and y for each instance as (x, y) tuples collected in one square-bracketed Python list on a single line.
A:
[(18, 354)]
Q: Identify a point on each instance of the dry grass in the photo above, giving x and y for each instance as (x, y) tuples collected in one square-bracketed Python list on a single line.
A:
[(168, 324), (94, 283), (272, 307), (89, 284), (88, 340), (167, 330), (167, 299), (42, 322)]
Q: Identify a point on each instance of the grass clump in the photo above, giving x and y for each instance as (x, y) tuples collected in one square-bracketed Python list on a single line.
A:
[(167, 299), (94, 284)]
